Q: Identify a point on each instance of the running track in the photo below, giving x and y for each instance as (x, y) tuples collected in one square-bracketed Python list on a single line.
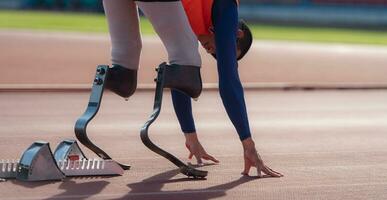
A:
[(329, 145)]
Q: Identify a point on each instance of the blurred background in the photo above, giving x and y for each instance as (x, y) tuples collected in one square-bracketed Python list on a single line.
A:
[(69, 5), (347, 13), (298, 43)]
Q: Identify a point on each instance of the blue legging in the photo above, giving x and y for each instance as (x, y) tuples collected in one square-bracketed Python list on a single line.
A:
[(225, 20)]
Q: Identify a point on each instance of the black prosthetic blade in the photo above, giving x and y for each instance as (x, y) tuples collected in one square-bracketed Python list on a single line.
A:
[(184, 169), (91, 110), (192, 172)]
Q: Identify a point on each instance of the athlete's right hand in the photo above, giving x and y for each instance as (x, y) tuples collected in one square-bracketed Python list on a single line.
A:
[(196, 149), (253, 159)]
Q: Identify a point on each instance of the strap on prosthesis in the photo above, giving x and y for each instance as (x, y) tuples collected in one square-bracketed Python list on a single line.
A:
[(163, 75)]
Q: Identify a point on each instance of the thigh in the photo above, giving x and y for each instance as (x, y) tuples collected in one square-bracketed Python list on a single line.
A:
[(171, 24), (123, 21)]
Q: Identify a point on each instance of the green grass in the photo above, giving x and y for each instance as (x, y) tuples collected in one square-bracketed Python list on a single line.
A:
[(60, 21), (78, 22), (316, 34)]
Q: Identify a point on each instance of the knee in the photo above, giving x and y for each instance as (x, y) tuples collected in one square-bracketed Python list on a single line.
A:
[(193, 56), (184, 78), (127, 54), (185, 55), (122, 81)]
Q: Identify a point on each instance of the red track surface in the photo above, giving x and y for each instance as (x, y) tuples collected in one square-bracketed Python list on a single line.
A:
[(57, 59), (328, 144)]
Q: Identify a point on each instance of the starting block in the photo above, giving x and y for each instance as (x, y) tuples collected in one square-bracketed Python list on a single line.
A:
[(73, 162), (38, 163)]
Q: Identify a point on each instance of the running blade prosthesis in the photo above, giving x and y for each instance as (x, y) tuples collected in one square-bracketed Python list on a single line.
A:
[(91, 110), (102, 73), (39, 164), (184, 169)]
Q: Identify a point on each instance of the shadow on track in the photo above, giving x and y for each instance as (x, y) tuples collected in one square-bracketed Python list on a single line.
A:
[(151, 188), (72, 189), (86, 190)]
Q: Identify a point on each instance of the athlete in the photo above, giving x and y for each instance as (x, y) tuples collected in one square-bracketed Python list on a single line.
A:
[(171, 24), (215, 22)]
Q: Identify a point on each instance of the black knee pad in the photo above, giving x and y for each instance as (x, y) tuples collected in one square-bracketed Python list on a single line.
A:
[(184, 78), (122, 81)]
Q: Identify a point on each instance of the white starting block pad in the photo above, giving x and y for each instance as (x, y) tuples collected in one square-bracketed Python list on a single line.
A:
[(38, 163)]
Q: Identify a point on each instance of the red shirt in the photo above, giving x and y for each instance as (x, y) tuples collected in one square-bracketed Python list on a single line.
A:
[(199, 13)]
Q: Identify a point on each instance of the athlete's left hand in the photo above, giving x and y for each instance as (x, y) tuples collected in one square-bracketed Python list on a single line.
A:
[(196, 149)]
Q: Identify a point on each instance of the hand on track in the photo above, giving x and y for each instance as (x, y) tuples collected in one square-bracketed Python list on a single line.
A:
[(196, 149), (253, 159)]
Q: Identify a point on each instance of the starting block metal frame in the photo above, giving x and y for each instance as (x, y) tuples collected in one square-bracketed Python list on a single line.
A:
[(8, 168), (38, 163)]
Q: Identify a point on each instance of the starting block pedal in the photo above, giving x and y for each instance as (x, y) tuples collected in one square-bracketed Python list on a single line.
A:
[(38, 163), (73, 162), (68, 150)]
